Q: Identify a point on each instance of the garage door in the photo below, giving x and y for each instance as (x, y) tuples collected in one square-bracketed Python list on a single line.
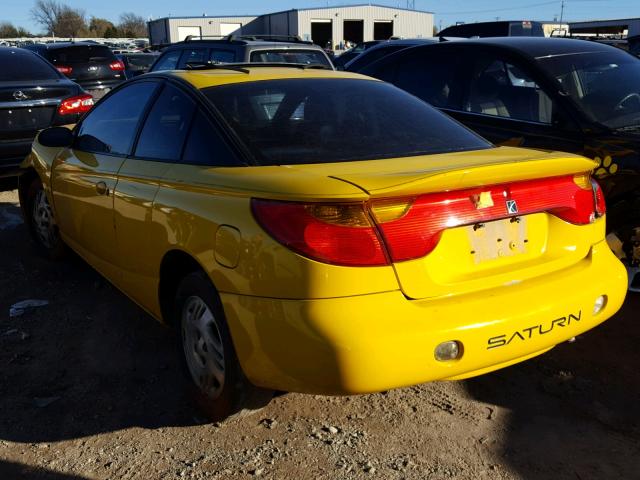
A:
[(184, 32), (229, 28)]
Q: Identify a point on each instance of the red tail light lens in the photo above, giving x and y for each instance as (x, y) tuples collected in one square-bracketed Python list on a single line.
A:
[(73, 105), (417, 232), (117, 65), (340, 234), (64, 69), (400, 229)]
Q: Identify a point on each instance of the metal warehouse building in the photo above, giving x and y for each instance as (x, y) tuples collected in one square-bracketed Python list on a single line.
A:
[(323, 26)]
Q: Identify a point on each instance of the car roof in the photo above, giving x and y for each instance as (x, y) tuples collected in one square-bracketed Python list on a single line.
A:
[(220, 76), (244, 42), (537, 47), (4, 51), (58, 45)]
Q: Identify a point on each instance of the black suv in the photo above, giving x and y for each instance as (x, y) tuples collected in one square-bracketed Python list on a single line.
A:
[(241, 49), (91, 65), (33, 95)]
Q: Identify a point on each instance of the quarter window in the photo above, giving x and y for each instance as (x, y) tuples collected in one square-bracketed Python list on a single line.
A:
[(502, 89), (166, 127), (111, 126)]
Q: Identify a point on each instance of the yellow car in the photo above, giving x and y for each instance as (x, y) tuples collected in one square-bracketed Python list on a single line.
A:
[(317, 231)]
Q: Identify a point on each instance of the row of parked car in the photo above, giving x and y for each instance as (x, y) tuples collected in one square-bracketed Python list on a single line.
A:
[(310, 230)]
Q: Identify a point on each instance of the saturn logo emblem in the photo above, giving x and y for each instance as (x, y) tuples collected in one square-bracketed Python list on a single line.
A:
[(19, 95)]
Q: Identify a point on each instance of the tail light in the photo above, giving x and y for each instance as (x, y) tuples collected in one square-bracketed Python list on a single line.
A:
[(73, 105), (400, 229), (340, 234), (117, 65), (64, 69)]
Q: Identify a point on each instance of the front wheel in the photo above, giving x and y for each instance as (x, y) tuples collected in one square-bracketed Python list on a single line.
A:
[(219, 385)]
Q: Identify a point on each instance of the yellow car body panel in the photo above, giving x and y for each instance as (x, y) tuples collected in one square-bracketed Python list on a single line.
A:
[(302, 325)]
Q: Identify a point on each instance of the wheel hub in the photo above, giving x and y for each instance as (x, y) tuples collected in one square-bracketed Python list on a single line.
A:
[(203, 349)]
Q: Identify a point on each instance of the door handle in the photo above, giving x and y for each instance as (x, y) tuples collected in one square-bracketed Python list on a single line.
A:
[(102, 188)]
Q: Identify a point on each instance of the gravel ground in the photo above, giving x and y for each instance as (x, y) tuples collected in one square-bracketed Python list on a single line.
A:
[(90, 389)]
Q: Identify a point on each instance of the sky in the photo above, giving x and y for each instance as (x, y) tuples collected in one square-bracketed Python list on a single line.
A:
[(446, 12)]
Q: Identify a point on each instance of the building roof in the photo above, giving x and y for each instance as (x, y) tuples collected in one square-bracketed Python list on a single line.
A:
[(334, 7)]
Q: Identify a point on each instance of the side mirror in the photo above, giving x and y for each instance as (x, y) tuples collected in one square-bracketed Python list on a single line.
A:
[(56, 137)]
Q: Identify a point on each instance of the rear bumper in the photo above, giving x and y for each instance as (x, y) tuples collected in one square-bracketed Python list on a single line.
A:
[(12, 153), (375, 342)]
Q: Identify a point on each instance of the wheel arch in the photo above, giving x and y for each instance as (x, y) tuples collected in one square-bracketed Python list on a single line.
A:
[(175, 265)]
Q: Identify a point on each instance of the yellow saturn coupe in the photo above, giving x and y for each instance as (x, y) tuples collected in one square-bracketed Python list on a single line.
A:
[(317, 231)]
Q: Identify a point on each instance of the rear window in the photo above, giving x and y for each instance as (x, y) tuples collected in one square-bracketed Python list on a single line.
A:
[(298, 121), (21, 66), (80, 54), (307, 57)]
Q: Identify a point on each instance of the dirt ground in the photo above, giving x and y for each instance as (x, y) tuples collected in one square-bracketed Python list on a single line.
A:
[(90, 389)]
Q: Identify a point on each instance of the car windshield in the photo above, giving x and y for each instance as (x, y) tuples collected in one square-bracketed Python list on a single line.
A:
[(298, 121), (606, 85), (307, 57)]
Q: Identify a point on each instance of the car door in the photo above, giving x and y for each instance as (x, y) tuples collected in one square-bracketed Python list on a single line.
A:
[(494, 94), (84, 176), (506, 103), (159, 145)]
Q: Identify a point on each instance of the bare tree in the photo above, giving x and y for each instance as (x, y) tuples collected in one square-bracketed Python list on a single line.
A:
[(47, 13), (132, 25), (59, 19)]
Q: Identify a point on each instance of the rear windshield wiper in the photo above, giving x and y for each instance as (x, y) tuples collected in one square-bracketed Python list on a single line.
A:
[(214, 66)]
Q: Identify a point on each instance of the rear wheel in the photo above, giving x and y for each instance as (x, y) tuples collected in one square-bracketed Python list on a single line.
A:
[(41, 221), (219, 385)]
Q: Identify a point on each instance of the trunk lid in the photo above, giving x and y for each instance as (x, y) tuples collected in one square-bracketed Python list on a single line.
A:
[(27, 107), (506, 249)]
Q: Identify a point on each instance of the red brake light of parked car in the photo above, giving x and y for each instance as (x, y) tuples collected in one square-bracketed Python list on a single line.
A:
[(400, 229), (117, 65), (64, 69), (79, 104)]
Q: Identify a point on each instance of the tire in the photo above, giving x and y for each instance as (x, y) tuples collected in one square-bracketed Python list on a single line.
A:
[(41, 222), (218, 384)]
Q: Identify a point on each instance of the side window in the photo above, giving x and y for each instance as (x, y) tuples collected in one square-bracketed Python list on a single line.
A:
[(222, 56), (111, 126), (502, 89), (205, 146), (192, 55), (433, 77), (168, 61), (166, 126)]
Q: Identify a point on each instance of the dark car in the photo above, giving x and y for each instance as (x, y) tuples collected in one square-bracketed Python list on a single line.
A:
[(345, 57), (33, 96), (382, 50), (240, 49), (547, 93), (136, 63), (506, 28), (93, 66)]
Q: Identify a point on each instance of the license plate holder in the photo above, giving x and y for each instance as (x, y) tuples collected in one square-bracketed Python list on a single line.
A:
[(497, 239)]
